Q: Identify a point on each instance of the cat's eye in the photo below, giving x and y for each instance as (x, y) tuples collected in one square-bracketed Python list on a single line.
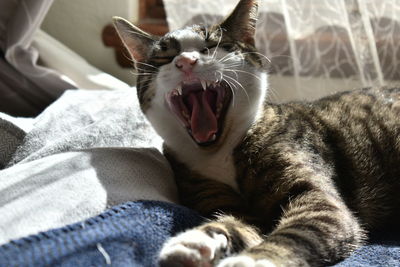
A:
[(205, 33), (164, 52), (163, 46), (228, 46), (205, 50)]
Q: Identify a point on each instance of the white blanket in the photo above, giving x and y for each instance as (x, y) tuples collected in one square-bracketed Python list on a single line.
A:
[(88, 151)]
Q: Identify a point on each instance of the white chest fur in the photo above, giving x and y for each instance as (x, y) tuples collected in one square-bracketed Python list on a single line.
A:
[(218, 167)]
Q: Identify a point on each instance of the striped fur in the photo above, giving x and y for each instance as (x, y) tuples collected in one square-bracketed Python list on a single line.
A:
[(314, 177), (295, 184)]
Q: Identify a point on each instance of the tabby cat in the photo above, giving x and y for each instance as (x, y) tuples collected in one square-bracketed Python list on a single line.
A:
[(295, 184)]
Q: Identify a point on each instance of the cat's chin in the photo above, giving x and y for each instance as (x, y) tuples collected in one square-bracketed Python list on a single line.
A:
[(201, 107)]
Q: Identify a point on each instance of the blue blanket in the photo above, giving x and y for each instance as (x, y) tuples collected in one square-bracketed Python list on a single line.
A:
[(132, 234)]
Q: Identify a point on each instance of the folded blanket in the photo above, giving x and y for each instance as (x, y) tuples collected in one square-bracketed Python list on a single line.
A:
[(126, 235), (69, 187), (132, 235), (88, 151), (87, 119)]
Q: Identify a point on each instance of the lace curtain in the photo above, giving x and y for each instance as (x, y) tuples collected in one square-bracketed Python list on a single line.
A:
[(315, 47)]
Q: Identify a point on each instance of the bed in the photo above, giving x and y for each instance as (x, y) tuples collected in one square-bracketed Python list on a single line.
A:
[(84, 182)]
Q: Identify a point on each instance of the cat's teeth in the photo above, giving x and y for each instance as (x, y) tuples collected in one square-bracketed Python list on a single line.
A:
[(203, 84), (219, 107), (185, 114), (179, 89), (213, 137)]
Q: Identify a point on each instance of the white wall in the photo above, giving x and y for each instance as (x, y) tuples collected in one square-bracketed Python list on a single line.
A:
[(79, 24)]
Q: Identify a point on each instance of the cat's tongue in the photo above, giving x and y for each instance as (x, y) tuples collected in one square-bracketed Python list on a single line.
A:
[(203, 121)]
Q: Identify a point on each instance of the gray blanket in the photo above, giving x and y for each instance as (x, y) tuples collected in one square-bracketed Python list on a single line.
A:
[(87, 151), (10, 137)]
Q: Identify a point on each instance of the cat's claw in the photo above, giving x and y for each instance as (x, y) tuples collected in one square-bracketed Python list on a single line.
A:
[(245, 261), (192, 248)]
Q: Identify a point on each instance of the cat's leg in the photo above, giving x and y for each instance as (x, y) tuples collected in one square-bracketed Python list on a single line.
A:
[(207, 244), (315, 230)]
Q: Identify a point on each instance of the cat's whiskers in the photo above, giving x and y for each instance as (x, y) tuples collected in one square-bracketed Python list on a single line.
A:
[(245, 72), (136, 63), (271, 91), (272, 94), (220, 76), (145, 70), (232, 55), (229, 54), (284, 56), (234, 72), (142, 73), (259, 54), (231, 86), (234, 64), (208, 53), (239, 84), (138, 69), (146, 64)]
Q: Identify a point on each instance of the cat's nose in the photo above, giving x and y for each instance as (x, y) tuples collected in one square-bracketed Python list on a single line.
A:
[(186, 61)]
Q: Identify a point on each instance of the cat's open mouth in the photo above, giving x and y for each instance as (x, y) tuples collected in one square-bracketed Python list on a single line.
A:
[(201, 106)]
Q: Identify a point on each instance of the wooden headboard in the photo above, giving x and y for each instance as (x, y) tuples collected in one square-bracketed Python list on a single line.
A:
[(152, 19)]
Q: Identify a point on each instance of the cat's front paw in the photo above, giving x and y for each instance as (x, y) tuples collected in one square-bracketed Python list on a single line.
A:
[(245, 261), (193, 248)]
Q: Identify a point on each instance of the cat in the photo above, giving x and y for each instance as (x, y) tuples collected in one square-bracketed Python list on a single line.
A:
[(294, 184)]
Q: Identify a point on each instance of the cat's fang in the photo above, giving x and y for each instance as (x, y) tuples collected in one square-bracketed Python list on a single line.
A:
[(203, 84), (179, 89)]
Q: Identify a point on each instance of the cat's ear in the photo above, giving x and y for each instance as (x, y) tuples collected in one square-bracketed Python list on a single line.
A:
[(136, 41), (241, 23)]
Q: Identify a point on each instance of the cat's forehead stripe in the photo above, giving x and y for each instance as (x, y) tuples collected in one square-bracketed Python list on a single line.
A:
[(187, 38), (171, 41)]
